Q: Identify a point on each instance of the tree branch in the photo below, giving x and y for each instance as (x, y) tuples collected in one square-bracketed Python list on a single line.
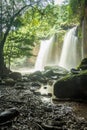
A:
[(10, 24)]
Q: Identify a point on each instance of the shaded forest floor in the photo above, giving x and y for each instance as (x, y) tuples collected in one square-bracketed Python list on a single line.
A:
[(39, 112)]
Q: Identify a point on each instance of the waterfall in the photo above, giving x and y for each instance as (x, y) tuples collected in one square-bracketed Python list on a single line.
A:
[(69, 56), (48, 53)]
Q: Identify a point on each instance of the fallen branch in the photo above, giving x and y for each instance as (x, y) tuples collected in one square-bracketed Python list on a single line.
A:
[(39, 126), (48, 127)]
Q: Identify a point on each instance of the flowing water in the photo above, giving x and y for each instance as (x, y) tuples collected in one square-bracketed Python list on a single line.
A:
[(69, 56), (48, 54)]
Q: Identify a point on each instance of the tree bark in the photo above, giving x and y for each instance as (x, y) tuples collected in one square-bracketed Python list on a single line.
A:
[(1, 58), (3, 69)]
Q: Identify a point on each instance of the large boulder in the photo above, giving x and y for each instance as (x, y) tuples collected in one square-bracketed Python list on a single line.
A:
[(37, 77), (72, 86), (15, 75), (52, 71)]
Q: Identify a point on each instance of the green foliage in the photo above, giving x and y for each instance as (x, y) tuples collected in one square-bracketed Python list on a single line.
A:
[(18, 44), (10, 19), (37, 23), (77, 8), (18, 22), (27, 29)]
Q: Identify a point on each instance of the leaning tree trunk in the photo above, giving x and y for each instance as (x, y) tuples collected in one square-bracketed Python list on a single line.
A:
[(3, 70)]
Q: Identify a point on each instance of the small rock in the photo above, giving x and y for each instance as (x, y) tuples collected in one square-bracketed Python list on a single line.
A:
[(9, 82)]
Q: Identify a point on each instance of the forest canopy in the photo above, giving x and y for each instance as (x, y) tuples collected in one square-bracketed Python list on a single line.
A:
[(23, 23)]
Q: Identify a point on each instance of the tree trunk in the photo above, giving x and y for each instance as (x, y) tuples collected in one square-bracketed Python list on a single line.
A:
[(3, 70), (1, 61)]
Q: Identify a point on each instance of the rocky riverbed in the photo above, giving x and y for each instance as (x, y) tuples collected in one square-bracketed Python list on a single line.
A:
[(40, 112)]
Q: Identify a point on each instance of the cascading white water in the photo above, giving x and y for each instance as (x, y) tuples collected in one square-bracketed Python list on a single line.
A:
[(69, 57), (71, 54), (48, 54)]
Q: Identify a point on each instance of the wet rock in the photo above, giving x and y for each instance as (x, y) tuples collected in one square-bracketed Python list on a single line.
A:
[(37, 77), (9, 81), (48, 108), (54, 72), (8, 115), (57, 69), (37, 93), (15, 75), (35, 84), (2, 82), (48, 73), (75, 71), (34, 88), (83, 64), (25, 78), (49, 94), (36, 73), (20, 84)]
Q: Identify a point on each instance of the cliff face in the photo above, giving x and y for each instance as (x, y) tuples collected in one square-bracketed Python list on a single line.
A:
[(85, 32)]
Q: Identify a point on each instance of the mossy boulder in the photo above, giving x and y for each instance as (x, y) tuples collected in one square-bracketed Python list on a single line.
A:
[(72, 86), (83, 64)]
